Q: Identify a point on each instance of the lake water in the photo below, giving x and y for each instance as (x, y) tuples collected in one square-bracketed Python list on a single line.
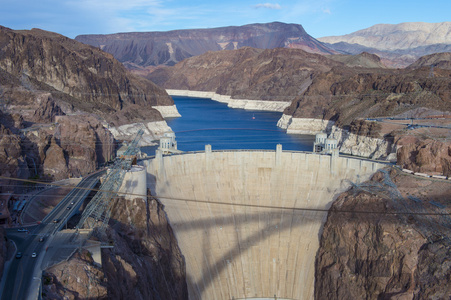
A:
[(205, 121)]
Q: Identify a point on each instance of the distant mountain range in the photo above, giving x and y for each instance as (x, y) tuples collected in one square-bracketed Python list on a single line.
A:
[(398, 45), (143, 49)]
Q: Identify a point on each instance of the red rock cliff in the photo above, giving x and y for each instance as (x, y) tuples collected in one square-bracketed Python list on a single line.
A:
[(367, 251)]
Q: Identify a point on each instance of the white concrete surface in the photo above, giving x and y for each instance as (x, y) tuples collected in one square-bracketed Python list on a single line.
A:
[(232, 247), (134, 184)]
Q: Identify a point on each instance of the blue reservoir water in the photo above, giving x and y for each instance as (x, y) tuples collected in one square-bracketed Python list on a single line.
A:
[(205, 121)]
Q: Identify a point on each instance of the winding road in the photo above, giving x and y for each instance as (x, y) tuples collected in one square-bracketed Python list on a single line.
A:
[(24, 277)]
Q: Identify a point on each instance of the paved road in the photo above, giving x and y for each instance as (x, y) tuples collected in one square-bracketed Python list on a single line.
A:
[(20, 276)]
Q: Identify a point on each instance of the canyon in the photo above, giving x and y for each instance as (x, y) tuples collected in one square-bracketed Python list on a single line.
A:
[(59, 97), (223, 225), (145, 262), (320, 93), (247, 222)]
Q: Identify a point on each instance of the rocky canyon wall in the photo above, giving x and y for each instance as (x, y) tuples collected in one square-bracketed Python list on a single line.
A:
[(368, 251), (145, 262)]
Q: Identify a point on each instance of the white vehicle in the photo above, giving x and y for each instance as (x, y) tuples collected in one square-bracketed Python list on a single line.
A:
[(34, 254)]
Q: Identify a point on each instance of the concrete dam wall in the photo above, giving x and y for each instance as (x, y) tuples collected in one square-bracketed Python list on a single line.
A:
[(235, 249)]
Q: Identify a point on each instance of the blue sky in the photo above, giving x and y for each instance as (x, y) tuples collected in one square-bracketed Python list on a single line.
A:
[(319, 17)]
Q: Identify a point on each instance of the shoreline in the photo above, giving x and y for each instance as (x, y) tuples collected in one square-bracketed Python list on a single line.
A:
[(348, 143), (153, 131), (168, 111), (277, 106)]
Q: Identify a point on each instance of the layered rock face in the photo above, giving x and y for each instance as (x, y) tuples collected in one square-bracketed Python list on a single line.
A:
[(142, 49), (424, 155), (145, 262), (60, 94), (368, 252), (85, 142), (73, 147), (12, 161), (248, 73), (345, 94), (78, 278), (88, 78), (364, 146)]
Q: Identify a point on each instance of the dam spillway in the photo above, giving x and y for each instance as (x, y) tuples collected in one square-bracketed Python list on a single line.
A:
[(239, 217)]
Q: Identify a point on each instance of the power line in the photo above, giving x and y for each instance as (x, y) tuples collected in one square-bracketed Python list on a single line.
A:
[(244, 204)]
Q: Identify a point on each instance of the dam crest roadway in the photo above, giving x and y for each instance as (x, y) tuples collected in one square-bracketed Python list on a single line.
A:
[(254, 226)]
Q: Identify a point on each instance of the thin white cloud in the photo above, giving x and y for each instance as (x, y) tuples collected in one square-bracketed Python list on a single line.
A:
[(268, 5), (327, 11)]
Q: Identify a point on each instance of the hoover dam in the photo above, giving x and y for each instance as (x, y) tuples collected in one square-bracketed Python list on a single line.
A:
[(248, 222)]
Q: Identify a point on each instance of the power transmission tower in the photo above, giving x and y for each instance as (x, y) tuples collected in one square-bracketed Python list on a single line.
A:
[(97, 213)]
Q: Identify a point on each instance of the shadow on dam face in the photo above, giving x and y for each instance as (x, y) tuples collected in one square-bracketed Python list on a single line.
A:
[(235, 248)]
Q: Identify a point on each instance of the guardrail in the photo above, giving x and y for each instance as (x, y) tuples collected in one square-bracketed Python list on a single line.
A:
[(270, 150), (442, 177)]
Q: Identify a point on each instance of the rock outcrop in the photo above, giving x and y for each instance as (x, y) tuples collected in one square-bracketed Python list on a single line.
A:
[(12, 162), (86, 77), (424, 155), (74, 146), (78, 278), (362, 145), (145, 262), (143, 49), (247, 73), (86, 143), (361, 60), (350, 97), (57, 97), (47, 109), (367, 251), (345, 94)]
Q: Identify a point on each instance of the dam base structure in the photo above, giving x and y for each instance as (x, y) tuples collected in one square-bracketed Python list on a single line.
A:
[(248, 222)]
